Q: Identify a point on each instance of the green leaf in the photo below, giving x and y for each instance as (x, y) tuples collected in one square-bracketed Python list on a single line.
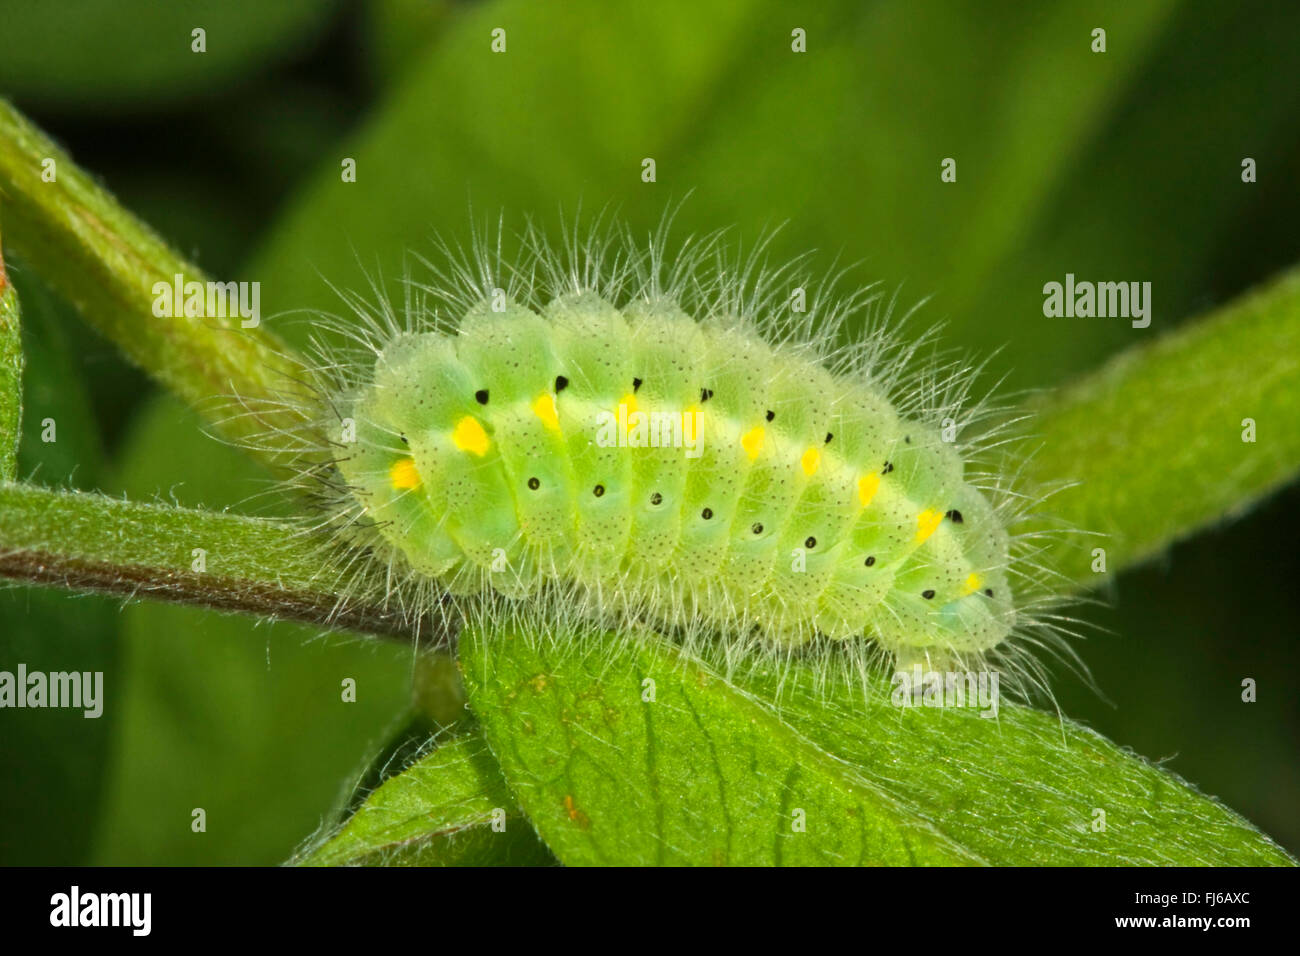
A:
[(438, 812), (1021, 789), (1169, 437), (707, 772), (701, 775)]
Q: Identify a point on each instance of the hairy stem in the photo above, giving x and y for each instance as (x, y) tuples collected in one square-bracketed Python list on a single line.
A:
[(11, 377), (1177, 434), (106, 263), (88, 542)]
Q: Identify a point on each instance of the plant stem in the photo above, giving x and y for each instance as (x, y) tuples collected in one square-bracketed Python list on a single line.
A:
[(88, 542), (1177, 434), (106, 262), (11, 376)]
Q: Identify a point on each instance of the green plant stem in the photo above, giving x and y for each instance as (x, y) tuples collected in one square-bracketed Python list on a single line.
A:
[(88, 542), (1152, 443), (105, 262), (11, 376)]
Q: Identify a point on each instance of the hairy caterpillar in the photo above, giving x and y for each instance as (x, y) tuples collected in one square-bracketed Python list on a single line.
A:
[(495, 439)]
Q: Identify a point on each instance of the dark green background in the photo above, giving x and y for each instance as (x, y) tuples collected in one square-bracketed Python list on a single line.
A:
[(1118, 166)]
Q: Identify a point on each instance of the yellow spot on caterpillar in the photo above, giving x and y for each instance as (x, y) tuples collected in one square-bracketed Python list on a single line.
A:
[(972, 585), (926, 523), (544, 408), (403, 474), (868, 485), (810, 461), (470, 436), (752, 441), (625, 410), (691, 426)]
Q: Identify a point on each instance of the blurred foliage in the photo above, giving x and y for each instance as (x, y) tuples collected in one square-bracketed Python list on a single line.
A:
[(399, 30), (1122, 165), (54, 387), (139, 54)]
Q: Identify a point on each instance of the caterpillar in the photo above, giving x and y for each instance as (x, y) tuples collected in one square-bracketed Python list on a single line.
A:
[(668, 440)]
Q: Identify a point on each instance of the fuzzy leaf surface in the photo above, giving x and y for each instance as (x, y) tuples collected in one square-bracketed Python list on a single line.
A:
[(708, 773)]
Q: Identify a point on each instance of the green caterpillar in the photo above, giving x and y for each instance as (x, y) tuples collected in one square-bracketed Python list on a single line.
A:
[(592, 436)]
